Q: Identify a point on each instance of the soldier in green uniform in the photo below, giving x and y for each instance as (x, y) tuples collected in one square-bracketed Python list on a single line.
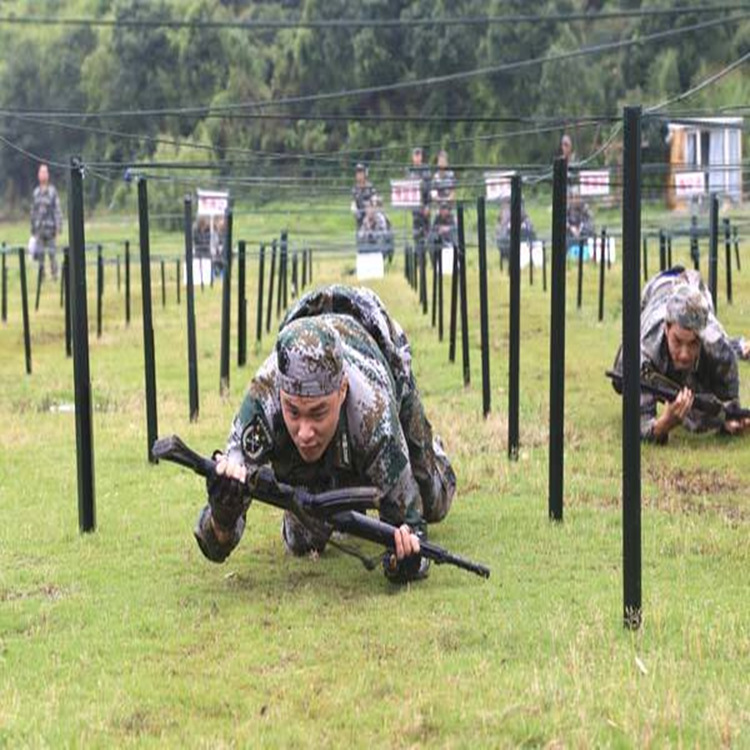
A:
[(46, 220), (682, 340), (334, 405)]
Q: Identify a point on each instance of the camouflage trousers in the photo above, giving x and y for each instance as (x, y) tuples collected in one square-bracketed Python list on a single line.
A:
[(46, 246)]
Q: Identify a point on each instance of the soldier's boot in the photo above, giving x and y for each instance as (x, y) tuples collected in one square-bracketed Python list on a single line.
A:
[(298, 539), (429, 463)]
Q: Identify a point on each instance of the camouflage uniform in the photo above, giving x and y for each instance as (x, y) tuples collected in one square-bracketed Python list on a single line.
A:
[(443, 184), (443, 228), (421, 215), (666, 298), (373, 229), (383, 437), (361, 196), (46, 223)]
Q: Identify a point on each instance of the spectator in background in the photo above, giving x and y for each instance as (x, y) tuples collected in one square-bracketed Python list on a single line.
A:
[(46, 220), (362, 193), (444, 181), (420, 216)]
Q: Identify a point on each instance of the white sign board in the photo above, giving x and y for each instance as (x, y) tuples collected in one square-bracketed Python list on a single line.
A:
[(594, 182), (370, 266), (687, 184), (447, 260), (201, 270), (406, 193), (595, 246), (531, 253), (497, 185), (212, 203)]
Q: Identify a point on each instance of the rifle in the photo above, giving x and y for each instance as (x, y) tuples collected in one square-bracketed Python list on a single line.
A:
[(666, 391), (342, 510)]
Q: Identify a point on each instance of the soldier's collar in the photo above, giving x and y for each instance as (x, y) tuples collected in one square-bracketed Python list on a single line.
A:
[(342, 453)]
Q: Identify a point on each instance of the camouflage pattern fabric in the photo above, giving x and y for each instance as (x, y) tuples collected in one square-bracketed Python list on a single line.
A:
[(46, 216), (421, 215), (361, 196), (716, 369), (443, 184), (383, 438)]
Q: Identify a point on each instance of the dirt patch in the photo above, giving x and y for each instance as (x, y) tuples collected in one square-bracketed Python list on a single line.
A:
[(46, 591), (693, 482)]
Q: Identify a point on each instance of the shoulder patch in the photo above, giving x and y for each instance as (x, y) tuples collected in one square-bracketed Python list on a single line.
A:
[(256, 438)]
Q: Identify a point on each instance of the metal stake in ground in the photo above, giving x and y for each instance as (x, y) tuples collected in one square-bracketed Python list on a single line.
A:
[(713, 251), (439, 271), (270, 286), (282, 271), (178, 270), (99, 289), (602, 261), (226, 306), (514, 269), (464, 297), (433, 255), (645, 258), (152, 429), (81, 374), (579, 296), (631, 356), (68, 324), (127, 282), (454, 307), (259, 311), (241, 306), (423, 276), (669, 249), (304, 268), (662, 251), (728, 257), (483, 308), (190, 293), (4, 286), (25, 310), (295, 275), (285, 254), (544, 265), (736, 238), (163, 283), (117, 262), (39, 280), (695, 250), (557, 341)]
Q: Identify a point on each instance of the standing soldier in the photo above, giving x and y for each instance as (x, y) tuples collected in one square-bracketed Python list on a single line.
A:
[(362, 193), (444, 181), (46, 220), (421, 215)]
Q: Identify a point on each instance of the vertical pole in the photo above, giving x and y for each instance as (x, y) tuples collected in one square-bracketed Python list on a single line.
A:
[(68, 324), (423, 277), (433, 253), (713, 251), (728, 257), (226, 303), (190, 294), (669, 249), (39, 280), (62, 282), (25, 310), (579, 296), (531, 261), (99, 289), (557, 341), (310, 263), (304, 268), (127, 282), (259, 312), (81, 374), (295, 275), (5, 286), (149, 357), (695, 251), (439, 269), (454, 307), (241, 307), (544, 265), (483, 311), (178, 274), (631, 355), (270, 286), (464, 297), (285, 253), (280, 288), (514, 268), (119, 282), (736, 238), (602, 261), (662, 251), (163, 284), (645, 258)]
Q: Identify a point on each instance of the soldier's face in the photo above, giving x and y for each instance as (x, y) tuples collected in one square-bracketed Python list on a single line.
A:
[(684, 346), (43, 175), (312, 421)]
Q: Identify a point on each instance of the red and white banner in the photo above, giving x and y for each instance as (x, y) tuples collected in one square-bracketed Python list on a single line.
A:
[(687, 184), (594, 182), (497, 185), (406, 193), (212, 203)]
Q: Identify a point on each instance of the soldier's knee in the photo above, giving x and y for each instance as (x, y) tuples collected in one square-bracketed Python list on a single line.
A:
[(442, 486)]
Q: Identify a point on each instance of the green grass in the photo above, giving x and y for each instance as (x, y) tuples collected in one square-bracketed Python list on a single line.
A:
[(129, 637)]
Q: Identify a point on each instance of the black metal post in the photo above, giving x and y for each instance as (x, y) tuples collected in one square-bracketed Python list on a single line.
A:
[(433, 253), (39, 280), (178, 274), (310, 264), (67, 310), (713, 251), (4, 286), (514, 354), (602, 261), (259, 312), (423, 277), (728, 257), (149, 356), (280, 288), (127, 282), (439, 270), (295, 276), (226, 303), (304, 268), (579, 296), (464, 297), (99, 289), (483, 308), (81, 374), (163, 283), (531, 262), (662, 251), (25, 310), (736, 238), (270, 286), (190, 294), (645, 258), (454, 307), (669, 249), (631, 356), (557, 341), (695, 251), (285, 254), (241, 306), (117, 263), (62, 282), (544, 265)]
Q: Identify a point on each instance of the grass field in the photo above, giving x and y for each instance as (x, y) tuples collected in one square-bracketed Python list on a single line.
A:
[(130, 637)]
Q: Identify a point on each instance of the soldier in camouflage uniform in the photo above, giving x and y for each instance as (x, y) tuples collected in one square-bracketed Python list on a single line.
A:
[(421, 215), (46, 220), (444, 181), (444, 227), (362, 194), (682, 340), (335, 405)]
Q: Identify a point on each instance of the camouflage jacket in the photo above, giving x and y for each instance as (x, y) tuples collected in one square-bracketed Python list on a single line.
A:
[(443, 184), (716, 370), (46, 216), (369, 447)]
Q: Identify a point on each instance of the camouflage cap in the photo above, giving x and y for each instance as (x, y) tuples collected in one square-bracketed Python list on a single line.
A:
[(310, 358), (687, 308)]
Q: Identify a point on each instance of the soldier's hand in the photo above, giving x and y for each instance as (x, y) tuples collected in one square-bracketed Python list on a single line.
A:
[(227, 491), (406, 542), (737, 426), (676, 411)]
